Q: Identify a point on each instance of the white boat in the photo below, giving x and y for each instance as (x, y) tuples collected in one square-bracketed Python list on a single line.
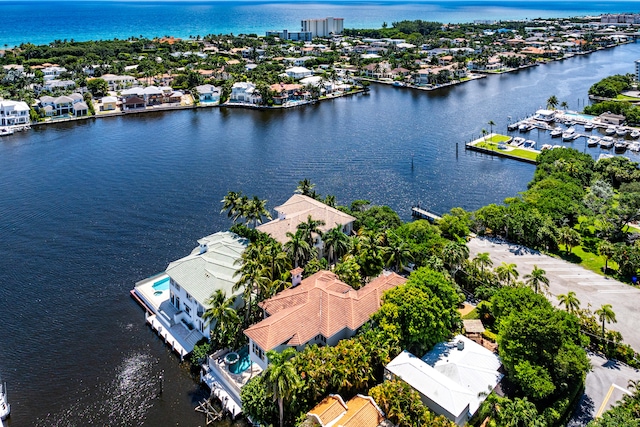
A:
[(546, 147), (568, 135), (593, 141), (634, 146), (517, 141), (398, 84), (5, 408), (4, 131), (606, 142), (605, 156), (610, 130), (556, 133), (525, 127), (621, 131), (588, 126), (635, 134)]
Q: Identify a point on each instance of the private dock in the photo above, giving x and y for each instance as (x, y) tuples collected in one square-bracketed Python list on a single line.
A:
[(418, 212)]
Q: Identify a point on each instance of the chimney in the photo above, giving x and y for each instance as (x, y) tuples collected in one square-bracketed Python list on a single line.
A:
[(296, 276), (460, 345)]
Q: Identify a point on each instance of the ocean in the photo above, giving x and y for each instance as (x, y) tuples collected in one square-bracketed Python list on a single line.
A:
[(42, 22)]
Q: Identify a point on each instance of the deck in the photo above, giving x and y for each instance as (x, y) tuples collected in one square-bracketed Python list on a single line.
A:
[(418, 212)]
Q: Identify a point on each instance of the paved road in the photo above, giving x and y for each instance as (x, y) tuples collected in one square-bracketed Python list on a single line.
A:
[(606, 384), (590, 288)]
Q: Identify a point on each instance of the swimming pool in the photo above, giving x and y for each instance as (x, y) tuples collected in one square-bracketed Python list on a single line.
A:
[(161, 285), (580, 116), (243, 363)]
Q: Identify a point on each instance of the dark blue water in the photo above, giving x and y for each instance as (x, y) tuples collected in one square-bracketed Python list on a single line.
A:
[(89, 208), (41, 22)]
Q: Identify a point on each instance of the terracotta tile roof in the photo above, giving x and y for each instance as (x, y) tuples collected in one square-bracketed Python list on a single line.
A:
[(296, 210), (321, 304), (360, 411), (329, 409)]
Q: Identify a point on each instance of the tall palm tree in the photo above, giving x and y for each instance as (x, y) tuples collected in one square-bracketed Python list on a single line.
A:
[(221, 311), (336, 243), (397, 254), (570, 301), (552, 102), (491, 123), (569, 237), (564, 105), (255, 210), (484, 134), (454, 254), (606, 315), (281, 378), (297, 247), (507, 272), (252, 276), (231, 204), (537, 279), (483, 260), (305, 187)]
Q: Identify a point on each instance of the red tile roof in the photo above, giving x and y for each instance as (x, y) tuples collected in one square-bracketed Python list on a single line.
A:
[(321, 304)]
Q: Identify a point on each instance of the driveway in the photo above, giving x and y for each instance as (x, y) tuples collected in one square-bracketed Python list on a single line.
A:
[(590, 288)]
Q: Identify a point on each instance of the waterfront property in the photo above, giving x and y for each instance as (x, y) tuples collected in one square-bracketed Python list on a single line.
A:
[(177, 300), (297, 210), (453, 379), (320, 309), (14, 113)]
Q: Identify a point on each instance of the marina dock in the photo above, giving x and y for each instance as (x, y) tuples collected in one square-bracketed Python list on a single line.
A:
[(418, 212)]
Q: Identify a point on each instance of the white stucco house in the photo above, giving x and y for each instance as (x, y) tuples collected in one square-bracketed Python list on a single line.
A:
[(208, 93), (298, 72), (245, 92), (14, 113)]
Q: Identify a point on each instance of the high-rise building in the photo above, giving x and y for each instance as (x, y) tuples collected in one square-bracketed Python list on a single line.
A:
[(323, 27), (638, 70)]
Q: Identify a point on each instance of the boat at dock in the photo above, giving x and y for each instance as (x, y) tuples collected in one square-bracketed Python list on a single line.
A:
[(592, 141), (517, 141), (529, 143), (635, 134), (569, 134), (556, 133), (606, 142), (512, 127), (634, 146), (620, 146), (546, 147), (5, 408), (621, 132), (525, 127), (588, 126), (5, 131), (610, 130)]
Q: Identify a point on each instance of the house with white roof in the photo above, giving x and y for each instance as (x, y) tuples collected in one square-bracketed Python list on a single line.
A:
[(177, 299), (117, 82), (208, 93), (53, 72), (245, 92), (13, 113), (452, 379), (298, 72)]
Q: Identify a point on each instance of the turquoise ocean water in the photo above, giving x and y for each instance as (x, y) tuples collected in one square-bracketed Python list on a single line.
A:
[(42, 22)]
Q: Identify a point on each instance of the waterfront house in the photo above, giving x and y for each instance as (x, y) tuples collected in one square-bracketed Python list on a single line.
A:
[(153, 95), (286, 92), (109, 103), (117, 82), (53, 85), (297, 210), (80, 109), (298, 72), (359, 411), (177, 299), (63, 105), (208, 93), (452, 379), (245, 92), (133, 103), (13, 113), (320, 309)]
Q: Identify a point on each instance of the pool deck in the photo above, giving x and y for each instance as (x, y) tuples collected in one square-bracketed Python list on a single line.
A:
[(163, 317), (225, 385)]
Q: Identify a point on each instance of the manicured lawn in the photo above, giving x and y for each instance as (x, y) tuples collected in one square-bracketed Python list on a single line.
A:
[(515, 152), (588, 260), (626, 98)]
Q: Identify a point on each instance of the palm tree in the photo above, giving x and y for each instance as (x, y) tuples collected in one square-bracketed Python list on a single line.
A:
[(255, 210), (231, 203), (506, 272), (483, 260), (221, 311), (552, 102), (569, 237), (310, 227), (281, 378), (570, 301), (298, 249), (397, 254), (491, 124), (305, 187), (454, 254), (606, 315), (564, 105), (537, 279), (607, 250), (252, 276), (484, 134), (336, 243)]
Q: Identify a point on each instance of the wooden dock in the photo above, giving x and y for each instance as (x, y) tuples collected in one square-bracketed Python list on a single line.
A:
[(418, 212), (212, 414)]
